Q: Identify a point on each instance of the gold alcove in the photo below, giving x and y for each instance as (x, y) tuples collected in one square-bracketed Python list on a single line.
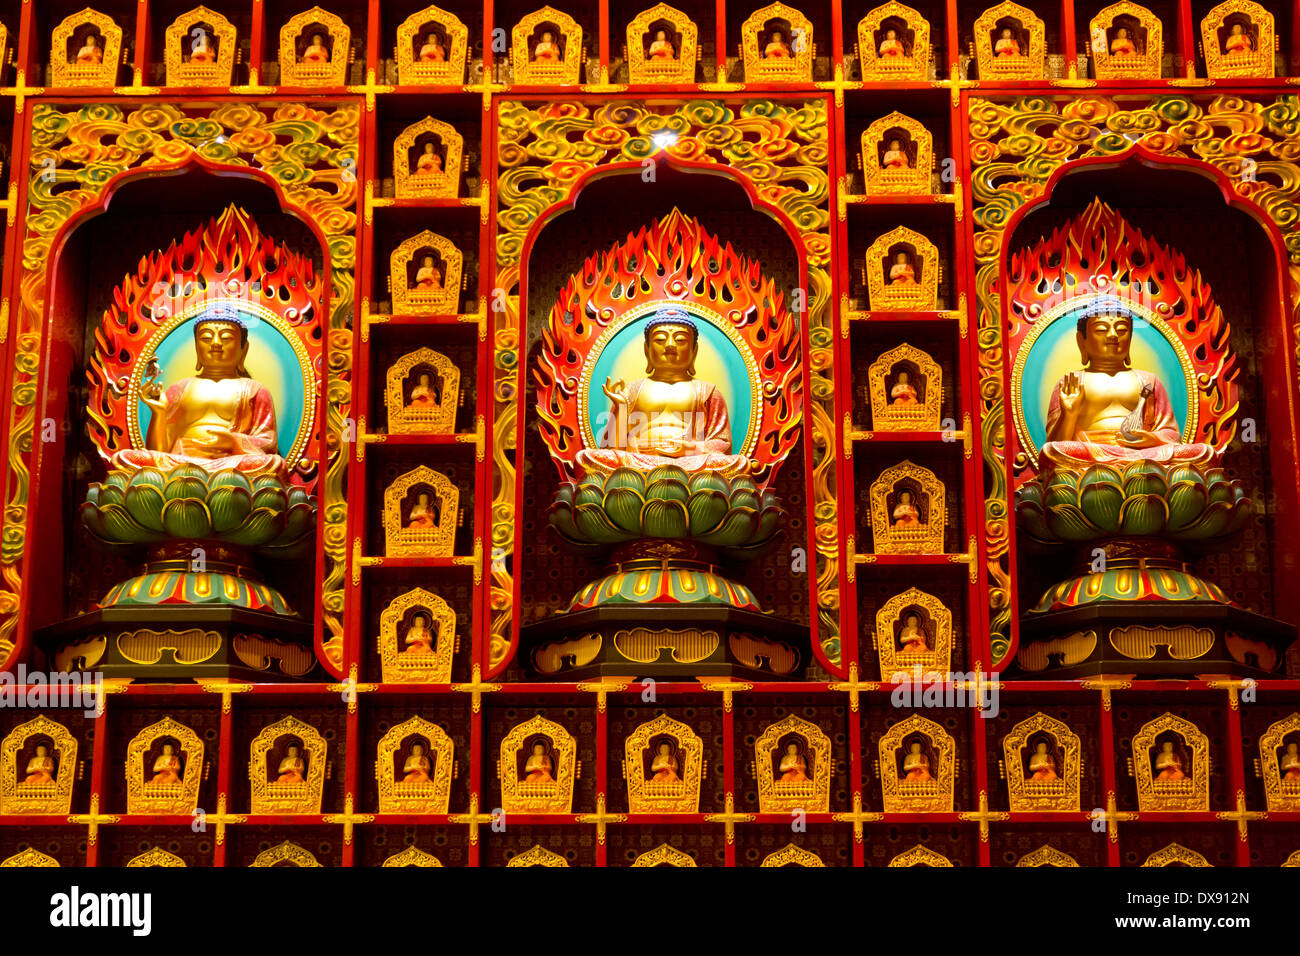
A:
[(679, 790), (1047, 856), (758, 41), (412, 856), (920, 856), (791, 855), (918, 740), (156, 857), (903, 272), (19, 793), (1029, 787), (664, 855), (436, 413), (440, 182), (1293, 859), (435, 535), (1027, 33), (565, 66), (916, 150), (431, 795), (1173, 741), (1144, 33), (287, 796), (300, 65), (29, 857), (285, 854), (402, 666), (913, 64), (1176, 854), (66, 67), (412, 68), (145, 793), (537, 855), (179, 53), (812, 762), (898, 406), (899, 491), (555, 769), (1227, 56), (934, 626), (442, 295), (1279, 757), (683, 42)]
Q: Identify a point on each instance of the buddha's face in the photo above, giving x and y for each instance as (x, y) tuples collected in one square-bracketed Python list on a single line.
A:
[(792, 749), (539, 749), (168, 750), (424, 500), (428, 147), (912, 621), (41, 751), (221, 347), (90, 42), (671, 348), (1121, 33), (903, 378), (901, 258), (433, 38), (1290, 750), (293, 751), (660, 35), (891, 35), (424, 379), (663, 750), (428, 262), (906, 498), (1107, 340), (1236, 29), (1006, 33), (318, 40), (776, 36), (1042, 747), (916, 747), (1167, 747), (417, 750), (546, 37), (421, 621)]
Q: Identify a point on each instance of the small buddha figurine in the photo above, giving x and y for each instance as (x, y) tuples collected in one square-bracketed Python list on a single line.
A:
[(1122, 45), (661, 48), (417, 766), (201, 49), (423, 516), (40, 769), (1169, 766), (167, 766), (1007, 44), (916, 765), (419, 638), (429, 163), (895, 157), (912, 638), (538, 768), (1290, 765), (776, 48), (90, 54), (1091, 411), (423, 395), (292, 767), (317, 52), (793, 768), (902, 271), (906, 514), (427, 277), (433, 50), (1041, 764), (903, 392), (891, 47), (547, 50), (1238, 41), (664, 766)]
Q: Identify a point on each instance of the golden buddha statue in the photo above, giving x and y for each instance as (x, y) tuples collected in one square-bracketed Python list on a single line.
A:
[(538, 767), (916, 765), (903, 392), (1238, 41), (1169, 766), (912, 638), (424, 394), (895, 157), (1290, 763), (292, 768), (167, 766), (423, 515), (669, 417), (547, 50), (664, 766), (661, 48), (428, 278), (216, 420), (776, 47), (793, 767), (317, 52), (417, 766), (1122, 45), (1108, 412), (902, 271), (429, 163), (1041, 764), (1007, 44), (201, 49), (90, 54), (891, 46), (433, 50), (419, 638), (906, 514), (40, 769)]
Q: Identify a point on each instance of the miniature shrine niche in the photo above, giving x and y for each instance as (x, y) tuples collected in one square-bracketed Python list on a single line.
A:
[(546, 48), (662, 46), (908, 511), (893, 44), (538, 768), (417, 639), (1042, 764), (286, 768), (432, 48), (897, 156), (315, 49), (422, 393), (664, 766), (913, 629), (1010, 43), (200, 49), (86, 50), (918, 764), (1237, 40), (427, 160), (902, 271), (1126, 42), (905, 387), (421, 514), (425, 276), (776, 45)]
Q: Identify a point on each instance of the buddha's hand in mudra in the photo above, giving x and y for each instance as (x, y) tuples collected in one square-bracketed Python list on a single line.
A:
[(615, 390), (1071, 393), (151, 390), (213, 441), (1139, 438)]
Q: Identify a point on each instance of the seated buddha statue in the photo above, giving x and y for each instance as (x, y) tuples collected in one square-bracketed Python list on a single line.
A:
[(423, 516), (429, 163), (419, 638), (902, 272), (1122, 45), (1109, 412), (40, 768), (891, 46), (903, 392), (1290, 764), (776, 47), (661, 48), (292, 768), (317, 51), (538, 767), (427, 277), (895, 157), (1041, 764), (911, 639), (670, 417), (90, 54), (219, 419), (433, 51), (1007, 44), (793, 767), (906, 514), (201, 49), (424, 394), (167, 766), (1238, 41), (417, 766), (664, 767), (1169, 766), (547, 50), (916, 765)]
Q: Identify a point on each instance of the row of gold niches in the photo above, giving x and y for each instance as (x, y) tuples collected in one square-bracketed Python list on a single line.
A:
[(663, 767), (547, 46)]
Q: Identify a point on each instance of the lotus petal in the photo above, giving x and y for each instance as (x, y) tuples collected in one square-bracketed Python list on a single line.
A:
[(770, 521), (229, 507), (564, 492), (1031, 517), (1187, 501), (736, 529), (120, 479), (667, 473), (594, 525), (111, 495), (623, 506), (261, 526), (186, 487), (1060, 496), (664, 519), (186, 518), (706, 509), (1101, 504), (114, 523), (589, 495), (666, 489), (744, 483), (149, 477), (744, 498), (709, 480), (273, 498), (229, 478), (1068, 522), (145, 503), (1144, 514), (560, 515), (1144, 478), (626, 478)]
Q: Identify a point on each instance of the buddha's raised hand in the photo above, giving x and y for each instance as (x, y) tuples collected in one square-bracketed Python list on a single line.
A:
[(615, 390), (1071, 392)]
